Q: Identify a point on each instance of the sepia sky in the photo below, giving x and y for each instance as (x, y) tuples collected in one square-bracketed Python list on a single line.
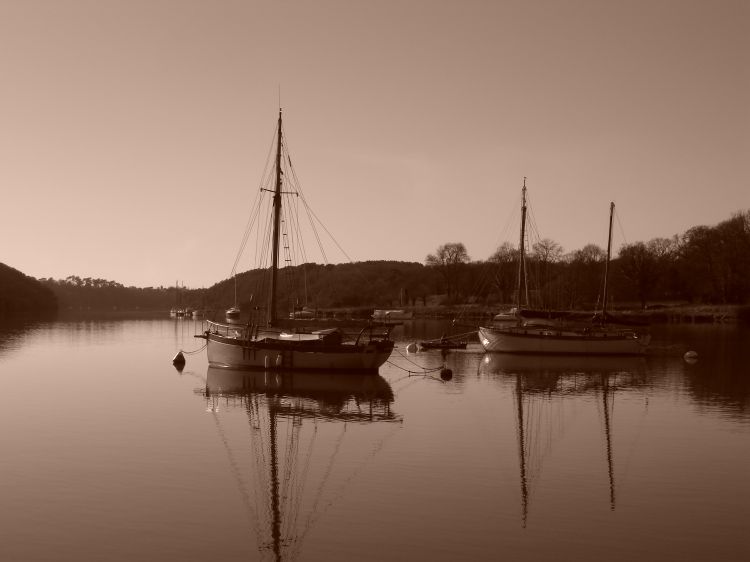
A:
[(134, 133)]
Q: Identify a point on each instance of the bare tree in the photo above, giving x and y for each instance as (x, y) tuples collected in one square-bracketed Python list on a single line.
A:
[(448, 260)]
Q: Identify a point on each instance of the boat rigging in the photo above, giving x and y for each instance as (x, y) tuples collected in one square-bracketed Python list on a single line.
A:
[(267, 340)]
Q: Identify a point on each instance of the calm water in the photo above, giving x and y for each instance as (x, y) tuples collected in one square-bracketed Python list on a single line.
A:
[(110, 453)]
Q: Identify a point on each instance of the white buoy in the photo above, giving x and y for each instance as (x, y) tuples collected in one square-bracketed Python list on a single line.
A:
[(411, 348), (691, 355)]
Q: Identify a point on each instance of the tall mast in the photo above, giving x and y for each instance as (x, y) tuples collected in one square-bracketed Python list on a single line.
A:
[(276, 221), (606, 266), (522, 252)]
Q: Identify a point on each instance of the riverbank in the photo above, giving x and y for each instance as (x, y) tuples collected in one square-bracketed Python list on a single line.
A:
[(655, 314)]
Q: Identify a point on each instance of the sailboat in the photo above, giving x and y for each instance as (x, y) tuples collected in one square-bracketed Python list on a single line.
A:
[(268, 341), (177, 310), (515, 332), (233, 313)]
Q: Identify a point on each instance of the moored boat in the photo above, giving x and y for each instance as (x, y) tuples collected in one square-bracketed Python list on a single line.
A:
[(392, 315), (514, 332), (266, 341), (443, 343)]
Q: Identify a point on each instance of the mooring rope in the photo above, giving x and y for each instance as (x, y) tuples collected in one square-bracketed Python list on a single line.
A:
[(455, 336), (424, 370), (196, 351)]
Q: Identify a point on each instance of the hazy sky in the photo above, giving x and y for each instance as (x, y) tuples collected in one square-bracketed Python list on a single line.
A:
[(133, 134)]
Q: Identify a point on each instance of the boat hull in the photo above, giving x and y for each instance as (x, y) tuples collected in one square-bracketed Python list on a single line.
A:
[(523, 340), (224, 352)]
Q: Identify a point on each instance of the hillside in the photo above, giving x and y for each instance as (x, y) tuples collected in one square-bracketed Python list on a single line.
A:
[(21, 295)]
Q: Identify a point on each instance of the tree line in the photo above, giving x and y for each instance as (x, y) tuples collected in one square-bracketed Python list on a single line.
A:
[(706, 264)]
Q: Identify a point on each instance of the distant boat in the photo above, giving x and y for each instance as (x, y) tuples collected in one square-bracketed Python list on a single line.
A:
[(392, 315), (198, 313), (266, 342), (513, 332), (177, 311), (443, 343), (233, 313)]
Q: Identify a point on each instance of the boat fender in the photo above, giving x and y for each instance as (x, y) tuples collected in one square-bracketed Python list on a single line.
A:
[(411, 348), (279, 359), (691, 357), (178, 359)]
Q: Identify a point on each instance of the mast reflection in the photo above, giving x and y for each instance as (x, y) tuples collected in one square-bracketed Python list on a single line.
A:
[(538, 378), (285, 412)]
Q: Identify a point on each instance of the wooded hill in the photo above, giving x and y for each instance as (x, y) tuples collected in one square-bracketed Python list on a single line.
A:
[(21, 295)]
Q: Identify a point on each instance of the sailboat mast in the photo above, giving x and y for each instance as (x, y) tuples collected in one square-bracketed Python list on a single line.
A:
[(522, 252), (606, 266), (276, 222)]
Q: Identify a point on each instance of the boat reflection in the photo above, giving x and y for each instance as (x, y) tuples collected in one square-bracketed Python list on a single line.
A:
[(509, 363), (335, 396), (299, 427), (542, 382)]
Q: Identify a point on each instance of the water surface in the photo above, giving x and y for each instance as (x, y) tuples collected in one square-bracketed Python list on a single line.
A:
[(110, 453)]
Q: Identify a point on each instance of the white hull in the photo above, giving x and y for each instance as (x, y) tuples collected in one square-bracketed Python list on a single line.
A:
[(550, 340), (280, 355)]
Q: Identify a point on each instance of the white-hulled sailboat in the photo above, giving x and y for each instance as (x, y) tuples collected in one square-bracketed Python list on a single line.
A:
[(269, 342), (514, 333)]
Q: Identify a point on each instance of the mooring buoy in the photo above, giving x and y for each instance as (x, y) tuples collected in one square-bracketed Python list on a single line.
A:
[(179, 359), (411, 348), (690, 357), (446, 374)]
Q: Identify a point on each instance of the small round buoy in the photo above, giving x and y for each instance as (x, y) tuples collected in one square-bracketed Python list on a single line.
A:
[(691, 357), (411, 348), (446, 374)]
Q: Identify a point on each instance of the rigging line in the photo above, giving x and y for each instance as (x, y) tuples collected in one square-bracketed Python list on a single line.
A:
[(290, 473), (310, 215), (265, 179), (487, 278), (244, 493), (246, 234), (510, 220), (298, 232), (314, 516), (289, 455), (324, 480), (296, 242), (619, 224), (305, 470)]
